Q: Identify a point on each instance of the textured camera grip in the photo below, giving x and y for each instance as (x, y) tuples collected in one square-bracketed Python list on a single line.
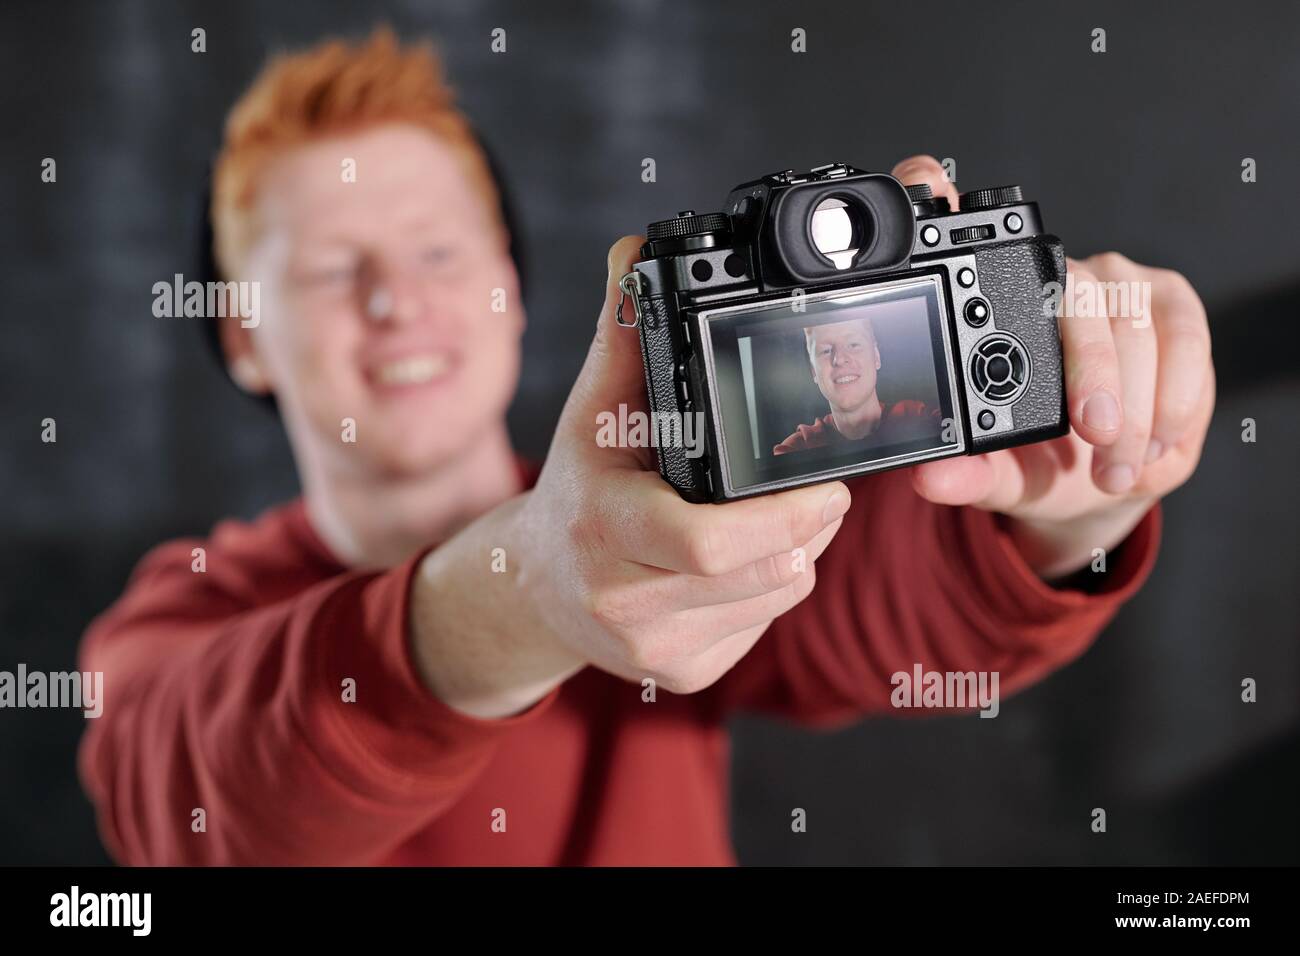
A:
[(1015, 277), (659, 352)]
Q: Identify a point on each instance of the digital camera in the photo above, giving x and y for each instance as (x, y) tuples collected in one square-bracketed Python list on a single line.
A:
[(833, 323)]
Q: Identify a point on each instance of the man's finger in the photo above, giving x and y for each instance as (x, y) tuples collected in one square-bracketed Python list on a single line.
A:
[(991, 482), (772, 573), (927, 171), (953, 481), (1116, 467), (613, 373), (727, 619), (1092, 382), (642, 519), (1183, 336), (724, 654)]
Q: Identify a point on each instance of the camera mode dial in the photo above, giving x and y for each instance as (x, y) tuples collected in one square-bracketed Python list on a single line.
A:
[(926, 203), (687, 225), (991, 198)]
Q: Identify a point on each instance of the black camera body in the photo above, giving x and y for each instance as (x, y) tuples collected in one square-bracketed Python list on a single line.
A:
[(924, 334)]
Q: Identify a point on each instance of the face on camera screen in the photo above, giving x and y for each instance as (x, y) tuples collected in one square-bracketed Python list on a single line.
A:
[(813, 385)]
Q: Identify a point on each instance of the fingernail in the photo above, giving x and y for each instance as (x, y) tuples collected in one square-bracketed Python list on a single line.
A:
[(836, 505), (1117, 479), (1101, 412), (1154, 450)]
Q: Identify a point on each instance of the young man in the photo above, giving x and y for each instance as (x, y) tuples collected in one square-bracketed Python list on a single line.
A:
[(426, 660), (845, 360)]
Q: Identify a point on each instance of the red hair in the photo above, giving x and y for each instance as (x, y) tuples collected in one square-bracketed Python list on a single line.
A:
[(333, 88)]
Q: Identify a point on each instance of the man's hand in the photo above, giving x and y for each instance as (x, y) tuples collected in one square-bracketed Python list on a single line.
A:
[(1140, 391), (606, 565), (632, 578)]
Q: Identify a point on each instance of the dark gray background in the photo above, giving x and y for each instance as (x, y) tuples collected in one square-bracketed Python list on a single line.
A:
[(1137, 149)]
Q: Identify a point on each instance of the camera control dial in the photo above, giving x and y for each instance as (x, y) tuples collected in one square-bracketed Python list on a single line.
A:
[(926, 203), (991, 198), (687, 224)]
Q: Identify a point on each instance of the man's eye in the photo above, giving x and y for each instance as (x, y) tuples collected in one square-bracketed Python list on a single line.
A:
[(331, 275), (437, 255)]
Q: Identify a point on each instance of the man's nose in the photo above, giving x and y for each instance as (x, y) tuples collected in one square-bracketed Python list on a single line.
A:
[(393, 296)]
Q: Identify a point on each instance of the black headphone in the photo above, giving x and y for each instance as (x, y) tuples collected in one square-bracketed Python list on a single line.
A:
[(208, 271)]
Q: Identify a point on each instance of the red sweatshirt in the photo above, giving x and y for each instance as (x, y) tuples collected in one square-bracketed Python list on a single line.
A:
[(224, 692), (901, 421)]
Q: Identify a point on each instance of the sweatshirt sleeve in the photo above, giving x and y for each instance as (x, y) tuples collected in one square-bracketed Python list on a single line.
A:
[(299, 728), (906, 583)]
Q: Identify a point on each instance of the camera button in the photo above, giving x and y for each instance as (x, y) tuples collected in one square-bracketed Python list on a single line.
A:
[(930, 235), (1013, 222), (965, 277), (987, 419), (977, 313)]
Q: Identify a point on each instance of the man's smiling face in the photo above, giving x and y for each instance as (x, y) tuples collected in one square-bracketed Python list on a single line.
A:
[(381, 296), (844, 361)]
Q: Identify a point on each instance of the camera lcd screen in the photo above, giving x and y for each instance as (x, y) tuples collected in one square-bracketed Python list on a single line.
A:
[(819, 384)]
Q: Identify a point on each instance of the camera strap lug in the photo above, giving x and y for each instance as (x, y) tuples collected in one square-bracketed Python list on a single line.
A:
[(629, 285)]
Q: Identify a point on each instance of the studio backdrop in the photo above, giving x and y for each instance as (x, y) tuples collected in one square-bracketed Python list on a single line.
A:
[(1176, 143)]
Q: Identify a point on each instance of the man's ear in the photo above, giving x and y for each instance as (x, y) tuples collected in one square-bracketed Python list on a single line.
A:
[(241, 358), (877, 348)]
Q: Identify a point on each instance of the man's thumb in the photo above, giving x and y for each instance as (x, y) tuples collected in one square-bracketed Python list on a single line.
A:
[(613, 373)]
